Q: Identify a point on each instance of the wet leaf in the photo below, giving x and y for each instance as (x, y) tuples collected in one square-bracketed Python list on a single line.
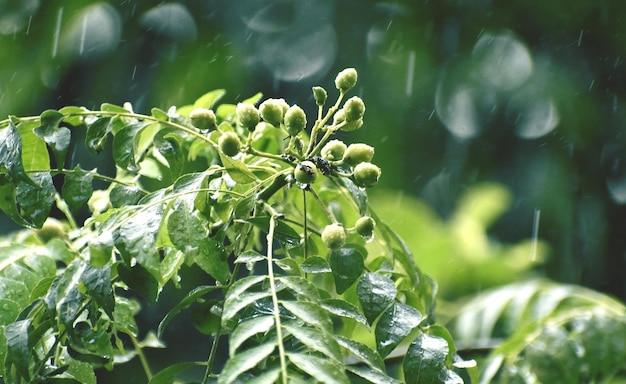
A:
[(243, 362), (34, 152), (185, 228), (209, 99), (425, 359), (235, 300), (136, 238), (394, 325), (310, 313), (372, 375), (123, 149), (237, 170), (140, 280), (249, 256), (347, 265), (205, 317), (315, 265), (212, 259), (170, 146), (362, 352), (77, 188), (282, 232), (57, 138), (35, 201), (376, 293), (189, 299), (97, 133), (18, 349), (123, 195), (11, 154), (345, 309), (323, 370), (247, 329), (97, 284), (168, 375)]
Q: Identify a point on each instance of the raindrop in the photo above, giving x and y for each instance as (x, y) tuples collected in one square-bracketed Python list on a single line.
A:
[(57, 32), (502, 61), (299, 55), (171, 20), (533, 115)]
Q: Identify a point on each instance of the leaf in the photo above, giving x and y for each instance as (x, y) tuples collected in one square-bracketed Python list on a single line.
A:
[(209, 99), (310, 313), (283, 232), (97, 282), (315, 265), (345, 309), (8, 204), (301, 287), (425, 359), (34, 152), (18, 349), (212, 259), (123, 195), (57, 138), (247, 329), (372, 375), (35, 201), (205, 316), (243, 362), (553, 357), (237, 170), (362, 352), (123, 146), (316, 340), (11, 154), (394, 325), (159, 114), (189, 299), (108, 107), (235, 299), (65, 296), (376, 293), (136, 237), (97, 133), (347, 265), (77, 188), (323, 370), (185, 228), (140, 280), (168, 375), (359, 195), (244, 207), (170, 146), (249, 256)]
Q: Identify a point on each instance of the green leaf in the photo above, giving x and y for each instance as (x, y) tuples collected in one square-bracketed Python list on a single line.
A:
[(140, 280), (77, 188), (243, 362), (18, 349), (316, 340), (209, 99), (10, 310), (35, 201), (136, 238), (244, 207), (553, 357), (171, 264), (342, 308), (376, 293), (8, 204), (159, 114), (97, 133), (97, 282), (123, 146), (11, 154), (189, 299), (34, 152), (394, 325), (185, 228), (301, 287), (236, 299), (323, 370), (65, 296), (249, 256), (237, 170), (372, 375), (212, 259), (108, 107), (123, 195), (205, 316), (315, 265), (425, 360), (57, 138), (168, 375), (283, 232), (347, 265), (247, 329), (310, 313), (359, 195), (362, 352)]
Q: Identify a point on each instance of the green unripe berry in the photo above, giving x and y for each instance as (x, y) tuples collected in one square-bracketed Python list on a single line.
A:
[(352, 126), (339, 117), (283, 104), (52, 229), (354, 108), (203, 118), (247, 115), (334, 236), (333, 150), (272, 111), (320, 95), (229, 143), (305, 172), (346, 79), (295, 120), (357, 153), (366, 174), (364, 226)]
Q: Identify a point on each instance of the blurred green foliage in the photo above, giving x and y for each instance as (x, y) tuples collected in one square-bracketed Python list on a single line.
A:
[(529, 94)]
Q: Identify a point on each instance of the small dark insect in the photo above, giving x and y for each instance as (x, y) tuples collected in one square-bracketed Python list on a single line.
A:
[(324, 166), (289, 158)]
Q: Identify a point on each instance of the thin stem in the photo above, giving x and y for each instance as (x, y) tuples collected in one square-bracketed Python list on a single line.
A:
[(270, 273), (211, 359), (320, 123), (142, 357), (305, 229), (324, 206)]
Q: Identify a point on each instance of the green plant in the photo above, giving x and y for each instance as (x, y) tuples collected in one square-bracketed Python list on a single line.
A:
[(293, 301)]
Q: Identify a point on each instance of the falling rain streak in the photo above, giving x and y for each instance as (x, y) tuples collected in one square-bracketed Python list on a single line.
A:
[(57, 33)]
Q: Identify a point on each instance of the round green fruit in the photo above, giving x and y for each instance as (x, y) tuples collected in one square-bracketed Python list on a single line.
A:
[(364, 226), (272, 111), (305, 172), (354, 109), (357, 153), (320, 95), (203, 118), (346, 79), (295, 120), (366, 174), (247, 115), (229, 143), (333, 150), (334, 236)]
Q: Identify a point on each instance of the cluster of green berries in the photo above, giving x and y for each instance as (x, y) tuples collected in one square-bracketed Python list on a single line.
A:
[(329, 157)]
